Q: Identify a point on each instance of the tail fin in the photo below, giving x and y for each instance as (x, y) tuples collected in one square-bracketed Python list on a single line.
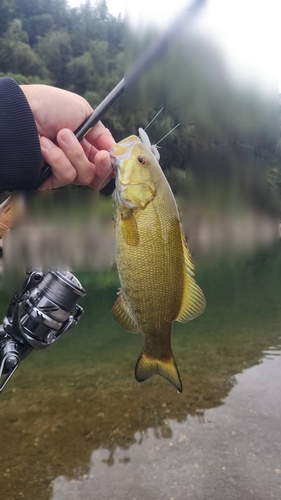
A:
[(148, 365)]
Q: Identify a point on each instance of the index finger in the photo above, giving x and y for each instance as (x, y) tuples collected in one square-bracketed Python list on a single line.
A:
[(100, 137)]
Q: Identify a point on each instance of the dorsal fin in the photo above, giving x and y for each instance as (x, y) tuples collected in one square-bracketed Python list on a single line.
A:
[(146, 141), (193, 300), (144, 138)]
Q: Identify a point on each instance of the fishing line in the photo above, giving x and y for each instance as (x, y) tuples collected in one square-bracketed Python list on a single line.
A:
[(109, 173), (142, 64), (167, 134), (154, 118)]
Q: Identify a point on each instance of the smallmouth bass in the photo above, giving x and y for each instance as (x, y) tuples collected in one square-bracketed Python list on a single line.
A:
[(154, 264)]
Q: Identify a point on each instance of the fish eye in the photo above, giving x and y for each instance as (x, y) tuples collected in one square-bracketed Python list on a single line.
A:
[(142, 160)]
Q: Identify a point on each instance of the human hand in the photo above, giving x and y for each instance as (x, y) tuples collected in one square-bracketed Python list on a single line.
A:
[(57, 113)]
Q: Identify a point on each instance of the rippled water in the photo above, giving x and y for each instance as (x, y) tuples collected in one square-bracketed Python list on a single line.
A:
[(75, 423), (229, 452)]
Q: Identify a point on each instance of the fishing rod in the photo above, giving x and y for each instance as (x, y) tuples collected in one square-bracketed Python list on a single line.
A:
[(132, 77), (41, 310), (9, 209)]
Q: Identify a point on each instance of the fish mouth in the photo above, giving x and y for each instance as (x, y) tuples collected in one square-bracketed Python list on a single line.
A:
[(114, 163), (117, 154), (120, 151)]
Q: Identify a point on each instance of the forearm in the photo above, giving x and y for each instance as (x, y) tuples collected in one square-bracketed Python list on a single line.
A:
[(20, 153)]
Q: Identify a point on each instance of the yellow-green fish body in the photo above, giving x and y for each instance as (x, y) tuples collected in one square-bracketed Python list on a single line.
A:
[(154, 263)]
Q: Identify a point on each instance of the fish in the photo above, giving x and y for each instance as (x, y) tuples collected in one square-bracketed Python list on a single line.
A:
[(154, 263)]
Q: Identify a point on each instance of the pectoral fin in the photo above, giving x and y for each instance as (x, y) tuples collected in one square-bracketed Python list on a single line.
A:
[(129, 227), (193, 300), (121, 314)]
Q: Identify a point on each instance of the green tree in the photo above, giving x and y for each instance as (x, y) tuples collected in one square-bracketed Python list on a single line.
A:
[(28, 8), (55, 51), (100, 56), (81, 73), (60, 13), (5, 15), (115, 35), (101, 12), (15, 33), (76, 29), (16, 55), (38, 26)]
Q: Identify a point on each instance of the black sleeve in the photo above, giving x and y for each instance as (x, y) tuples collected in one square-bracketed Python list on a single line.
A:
[(20, 153)]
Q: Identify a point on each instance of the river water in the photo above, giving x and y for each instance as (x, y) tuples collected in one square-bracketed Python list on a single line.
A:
[(76, 425)]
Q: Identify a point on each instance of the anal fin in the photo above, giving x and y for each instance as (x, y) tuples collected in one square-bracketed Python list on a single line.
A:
[(121, 314)]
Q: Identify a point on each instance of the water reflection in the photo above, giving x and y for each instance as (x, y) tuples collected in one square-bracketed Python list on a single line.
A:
[(80, 400), (234, 452)]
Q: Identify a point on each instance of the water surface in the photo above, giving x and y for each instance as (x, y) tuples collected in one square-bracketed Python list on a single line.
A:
[(73, 419)]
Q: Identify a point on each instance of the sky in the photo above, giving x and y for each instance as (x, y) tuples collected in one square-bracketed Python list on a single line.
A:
[(247, 32)]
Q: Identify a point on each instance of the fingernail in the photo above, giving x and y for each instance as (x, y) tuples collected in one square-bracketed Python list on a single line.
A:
[(106, 162), (68, 137), (46, 143)]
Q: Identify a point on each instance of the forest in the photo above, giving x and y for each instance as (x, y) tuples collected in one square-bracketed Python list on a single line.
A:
[(85, 50)]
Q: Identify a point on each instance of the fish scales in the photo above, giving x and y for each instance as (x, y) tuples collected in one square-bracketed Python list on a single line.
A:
[(152, 259), (155, 264)]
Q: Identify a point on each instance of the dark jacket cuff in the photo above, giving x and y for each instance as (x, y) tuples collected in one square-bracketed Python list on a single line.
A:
[(20, 152)]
